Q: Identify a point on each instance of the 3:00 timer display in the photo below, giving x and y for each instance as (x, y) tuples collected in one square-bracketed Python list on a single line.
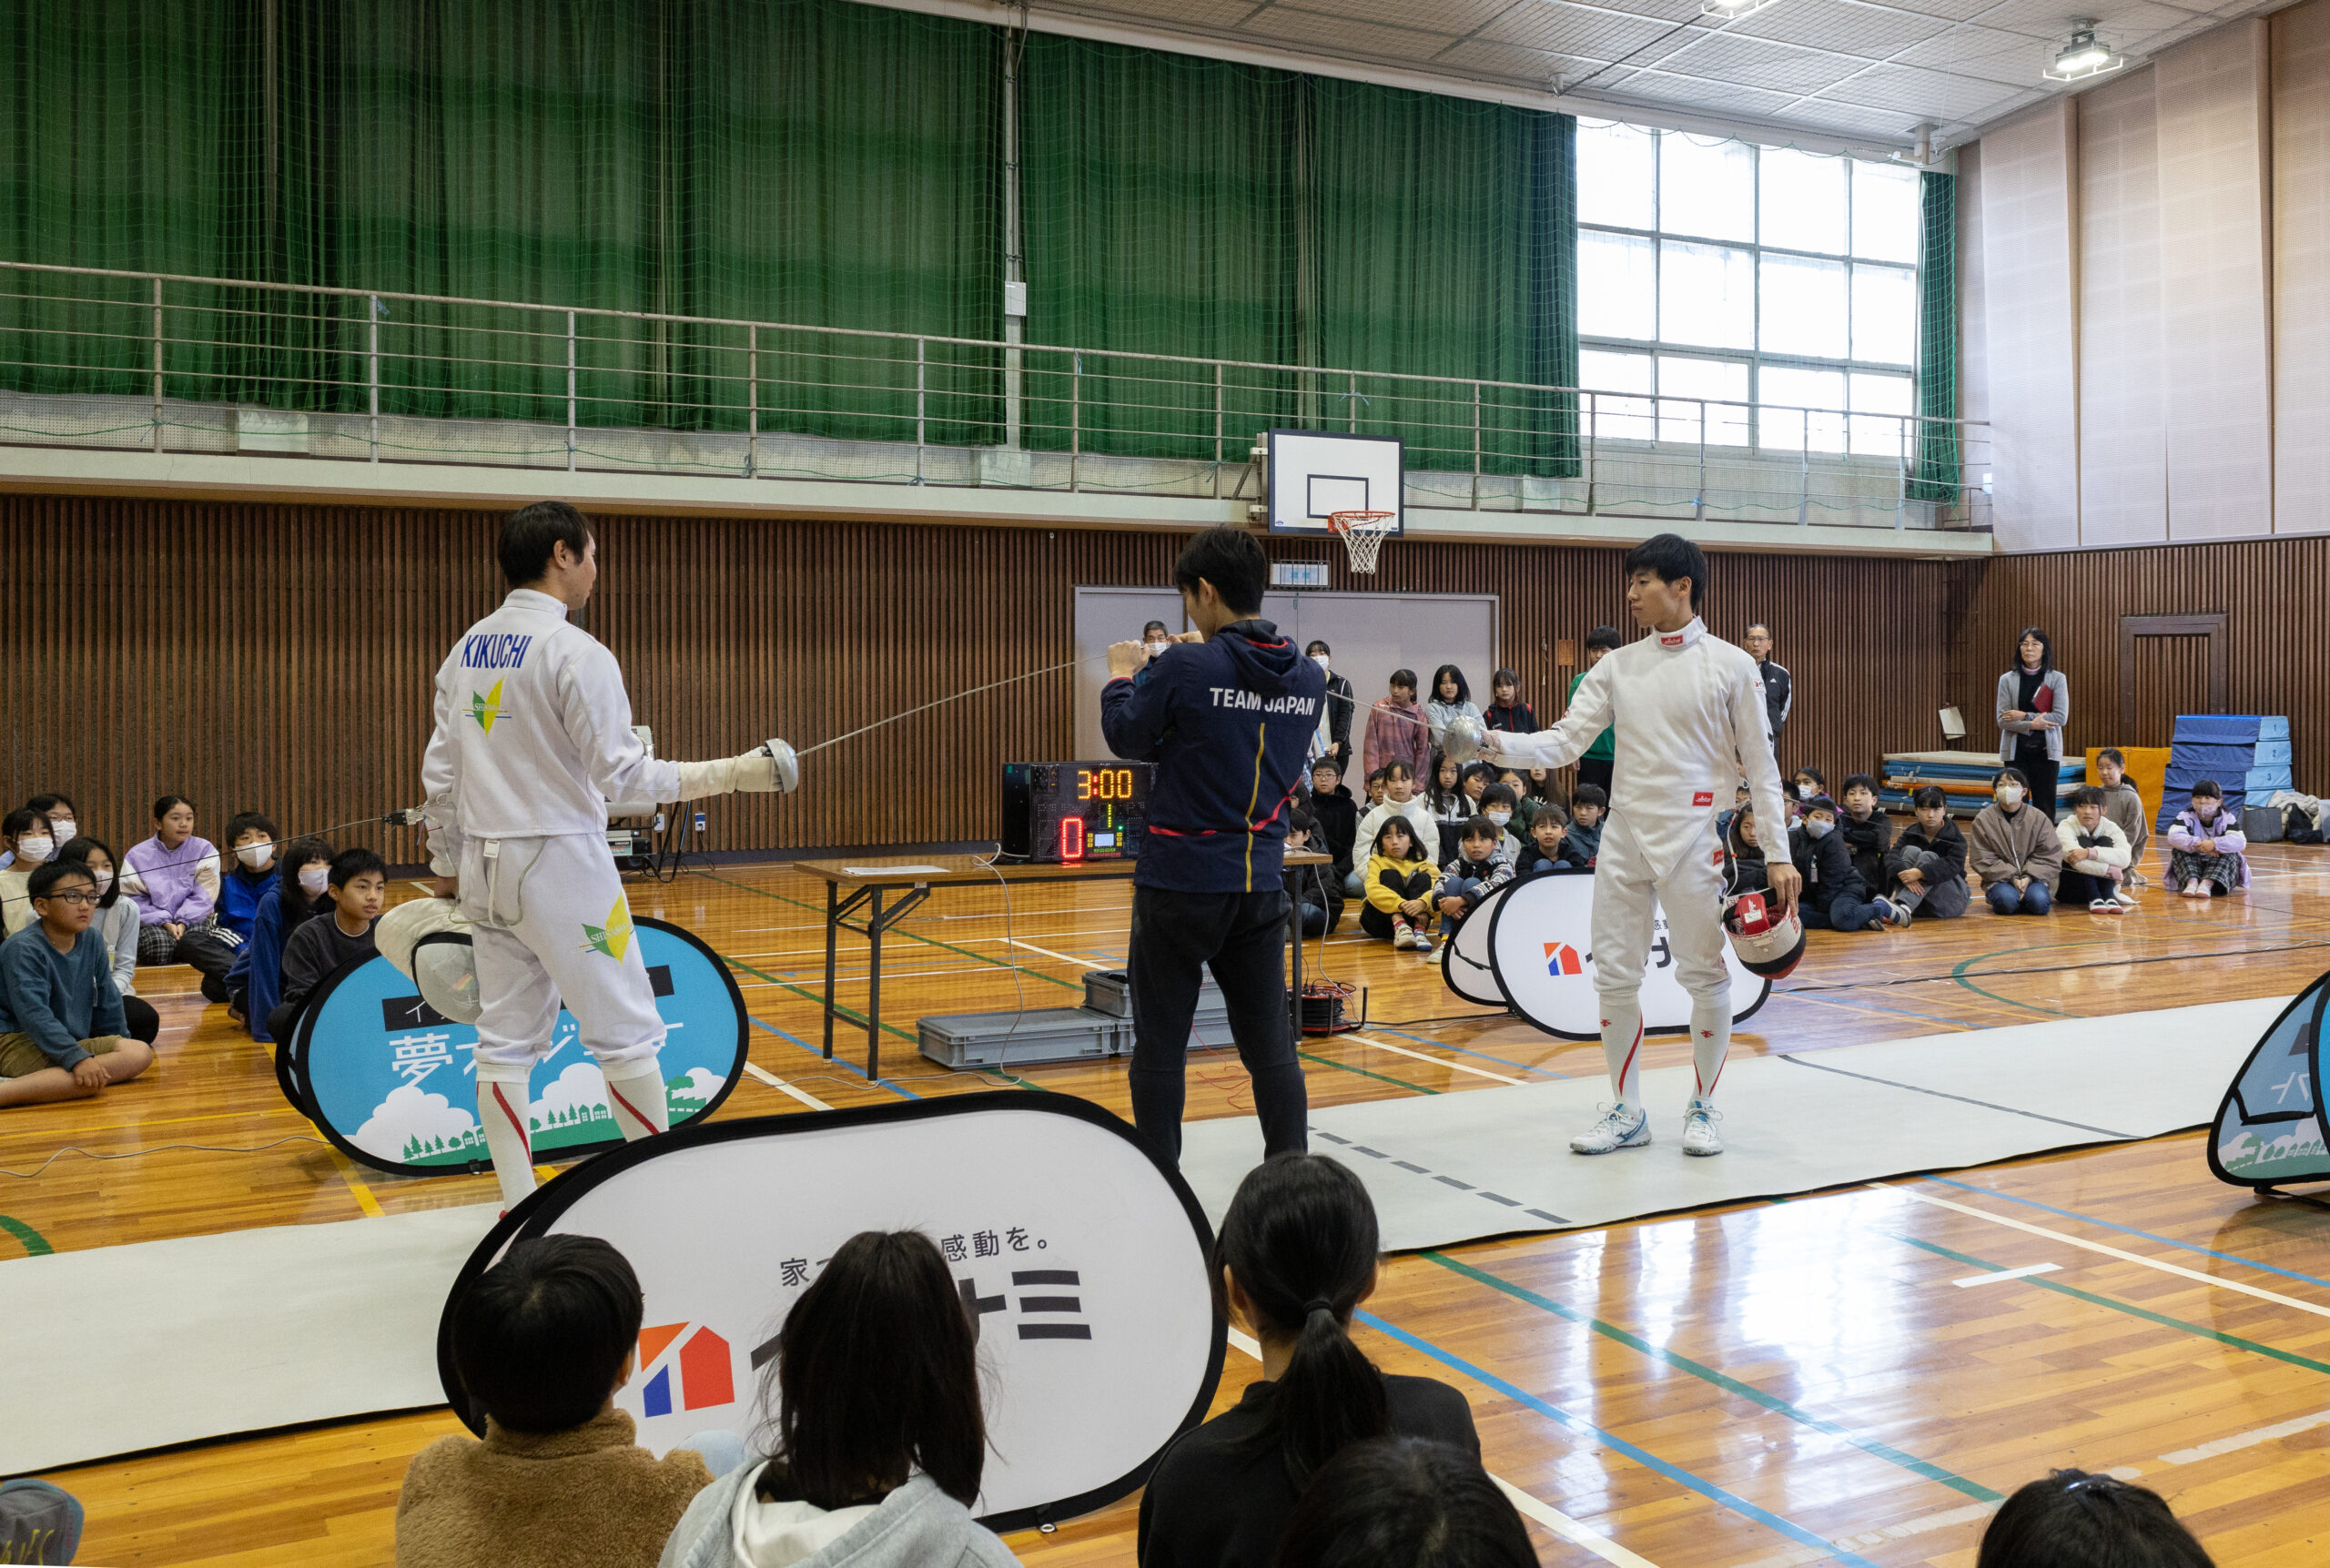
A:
[(1104, 784)]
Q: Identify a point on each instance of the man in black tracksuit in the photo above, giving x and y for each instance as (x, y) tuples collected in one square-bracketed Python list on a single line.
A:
[(1779, 690), (1227, 720)]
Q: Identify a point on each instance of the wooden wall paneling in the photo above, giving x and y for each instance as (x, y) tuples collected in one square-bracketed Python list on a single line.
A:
[(281, 657)]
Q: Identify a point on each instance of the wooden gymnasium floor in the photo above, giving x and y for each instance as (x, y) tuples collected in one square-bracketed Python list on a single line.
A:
[(1806, 1363)]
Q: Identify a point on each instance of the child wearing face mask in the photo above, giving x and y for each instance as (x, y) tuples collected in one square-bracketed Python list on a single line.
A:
[(1333, 739), (1925, 871), (251, 839), (1835, 897), (117, 924), (30, 846), (1808, 784), (255, 985), (2013, 848), (64, 825), (1501, 808)]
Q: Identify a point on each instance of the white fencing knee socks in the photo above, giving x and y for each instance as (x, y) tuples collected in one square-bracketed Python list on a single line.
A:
[(1622, 1049), (636, 1097), (502, 1107), (1710, 1043)]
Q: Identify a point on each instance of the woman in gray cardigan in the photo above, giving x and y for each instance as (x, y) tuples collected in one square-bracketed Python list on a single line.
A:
[(2034, 704)]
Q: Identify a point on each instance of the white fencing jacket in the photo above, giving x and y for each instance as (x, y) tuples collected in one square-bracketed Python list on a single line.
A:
[(1692, 724), (533, 733)]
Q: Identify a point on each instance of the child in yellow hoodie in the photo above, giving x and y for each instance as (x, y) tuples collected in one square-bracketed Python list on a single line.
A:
[(1398, 886)]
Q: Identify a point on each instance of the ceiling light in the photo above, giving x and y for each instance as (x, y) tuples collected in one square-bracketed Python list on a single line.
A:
[(1732, 10), (2083, 57)]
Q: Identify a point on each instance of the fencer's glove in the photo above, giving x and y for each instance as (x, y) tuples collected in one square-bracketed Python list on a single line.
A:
[(765, 769)]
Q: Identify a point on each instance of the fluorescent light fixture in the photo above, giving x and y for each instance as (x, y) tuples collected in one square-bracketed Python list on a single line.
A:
[(1732, 10), (2083, 57)]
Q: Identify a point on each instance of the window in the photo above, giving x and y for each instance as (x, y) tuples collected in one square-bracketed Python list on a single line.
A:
[(1773, 280)]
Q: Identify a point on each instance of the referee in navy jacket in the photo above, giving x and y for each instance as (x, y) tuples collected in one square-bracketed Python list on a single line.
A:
[(1227, 714)]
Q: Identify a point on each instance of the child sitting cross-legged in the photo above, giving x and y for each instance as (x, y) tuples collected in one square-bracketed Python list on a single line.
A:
[(1481, 867), (1586, 808), (1925, 871), (2095, 857), (62, 1028), (1316, 891), (2205, 844), (1549, 847), (542, 1341), (2125, 806), (357, 885), (1869, 832), (1399, 888), (1834, 898), (1500, 804)]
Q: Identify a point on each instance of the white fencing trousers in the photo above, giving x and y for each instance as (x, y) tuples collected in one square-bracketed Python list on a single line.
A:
[(553, 924), (1627, 898)]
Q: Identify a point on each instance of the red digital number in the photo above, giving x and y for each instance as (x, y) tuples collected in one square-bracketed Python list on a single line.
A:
[(1071, 840)]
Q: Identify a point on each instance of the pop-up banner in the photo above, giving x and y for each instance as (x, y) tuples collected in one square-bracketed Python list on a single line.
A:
[(1079, 1256), (389, 1081), (1540, 948), (2269, 1131), (1465, 964)]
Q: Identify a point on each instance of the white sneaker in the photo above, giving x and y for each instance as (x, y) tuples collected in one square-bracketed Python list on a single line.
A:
[(1423, 941), (1700, 1135), (1620, 1128), (1404, 936), (2107, 906), (2125, 899)]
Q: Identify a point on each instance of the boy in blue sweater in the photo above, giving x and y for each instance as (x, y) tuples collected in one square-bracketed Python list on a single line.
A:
[(62, 1032), (1227, 715)]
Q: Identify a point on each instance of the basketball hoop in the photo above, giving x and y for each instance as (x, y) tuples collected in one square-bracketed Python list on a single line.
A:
[(1363, 533)]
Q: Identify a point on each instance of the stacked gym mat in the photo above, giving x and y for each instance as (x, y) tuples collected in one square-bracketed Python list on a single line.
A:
[(2245, 753), (1965, 777)]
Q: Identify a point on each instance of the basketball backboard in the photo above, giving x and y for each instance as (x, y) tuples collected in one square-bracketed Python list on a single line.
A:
[(1314, 473)]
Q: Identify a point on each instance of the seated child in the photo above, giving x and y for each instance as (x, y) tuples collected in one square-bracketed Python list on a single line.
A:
[(1739, 799), (2074, 1520), (1506, 710), (1586, 808), (1542, 787), (255, 982), (116, 923), (31, 841), (251, 839), (62, 1027), (2012, 847), (1869, 832), (1405, 1500), (1810, 785), (1834, 898), (542, 1341), (1401, 801), (2095, 857), (1357, 875), (2205, 844), (1549, 847), (357, 885), (1524, 808), (1480, 868), (1399, 884), (1376, 785), (1925, 871), (1743, 868), (1336, 814), (2123, 805), (1499, 804), (1316, 891), (871, 1416)]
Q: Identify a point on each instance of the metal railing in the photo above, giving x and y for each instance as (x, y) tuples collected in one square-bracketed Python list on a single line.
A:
[(91, 357)]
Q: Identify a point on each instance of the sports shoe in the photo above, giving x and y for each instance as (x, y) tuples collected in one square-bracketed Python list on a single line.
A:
[(1404, 936), (1700, 1135), (1619, 1128), (1890, 913), (2125, 899), (2107, 906), (1423, 940)]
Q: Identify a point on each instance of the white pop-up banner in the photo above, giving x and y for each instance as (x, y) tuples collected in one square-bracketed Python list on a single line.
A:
[(1081, 1257), (1540, 948)]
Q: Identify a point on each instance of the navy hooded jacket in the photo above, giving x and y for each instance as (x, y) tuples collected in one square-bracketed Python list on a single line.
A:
[(1227, 721)]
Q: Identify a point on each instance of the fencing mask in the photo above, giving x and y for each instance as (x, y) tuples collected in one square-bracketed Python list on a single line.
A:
[(428, 941)]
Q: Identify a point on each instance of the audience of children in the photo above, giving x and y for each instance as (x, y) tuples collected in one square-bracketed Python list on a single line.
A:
[(1868, 832), (1451, 699), (357, 886), (2206, 848), (2124, 806), (1586, 804), (117, 924), (63, 1032), (1397, 886), (1401, 801), (1317, 890), (1506, 710), (1925, 871), (2012, 846), (1834, 898), (1550, 849), (2095, 857), (255, 983), (174, 877), (1479, 867), (1397, 731), (1297, 1254)]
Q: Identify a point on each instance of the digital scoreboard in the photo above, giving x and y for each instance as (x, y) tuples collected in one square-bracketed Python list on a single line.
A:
[(1067, 813)]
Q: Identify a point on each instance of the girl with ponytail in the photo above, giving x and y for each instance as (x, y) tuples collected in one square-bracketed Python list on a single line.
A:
[(1296, 1255)]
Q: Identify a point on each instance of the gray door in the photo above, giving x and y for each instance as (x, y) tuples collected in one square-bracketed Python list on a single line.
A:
[(1106, 615)]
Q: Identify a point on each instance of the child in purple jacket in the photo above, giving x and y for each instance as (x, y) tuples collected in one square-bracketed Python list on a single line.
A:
[(2205, 844), (173, 878)]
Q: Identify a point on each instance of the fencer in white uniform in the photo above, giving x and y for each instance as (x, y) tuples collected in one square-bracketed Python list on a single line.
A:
[(1692, 724), (532, 740)]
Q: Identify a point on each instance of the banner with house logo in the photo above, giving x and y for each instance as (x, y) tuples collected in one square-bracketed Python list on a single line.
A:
[(390, 1080), (2269, 1131), (1541, 951), (1080, 1259)]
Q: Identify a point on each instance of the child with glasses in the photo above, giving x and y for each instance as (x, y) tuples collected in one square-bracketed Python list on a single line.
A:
[(62, 1028)]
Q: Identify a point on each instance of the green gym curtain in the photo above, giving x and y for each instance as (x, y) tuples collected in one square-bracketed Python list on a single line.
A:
[(1935, 472), (1160, 214)]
